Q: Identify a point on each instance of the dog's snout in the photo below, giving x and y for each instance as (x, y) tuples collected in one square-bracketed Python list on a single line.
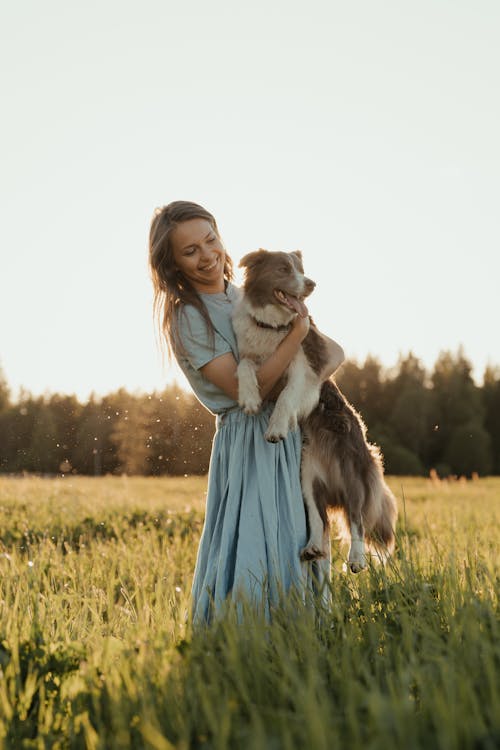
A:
[(309, 285)]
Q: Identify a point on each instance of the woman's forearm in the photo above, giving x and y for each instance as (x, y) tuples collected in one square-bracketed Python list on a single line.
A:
[(222, 370), (273, 368)]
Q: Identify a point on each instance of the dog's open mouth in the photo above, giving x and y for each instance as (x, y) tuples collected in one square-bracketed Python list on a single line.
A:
[(294, 303)]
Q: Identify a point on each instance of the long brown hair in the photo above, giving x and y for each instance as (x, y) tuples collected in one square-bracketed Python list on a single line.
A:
[(171, 288)]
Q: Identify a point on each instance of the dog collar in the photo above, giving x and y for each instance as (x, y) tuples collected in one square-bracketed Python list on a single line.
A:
[(273, 328)]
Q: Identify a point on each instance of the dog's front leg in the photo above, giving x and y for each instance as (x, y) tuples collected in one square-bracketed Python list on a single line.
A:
[(284, 416), (248, 387)]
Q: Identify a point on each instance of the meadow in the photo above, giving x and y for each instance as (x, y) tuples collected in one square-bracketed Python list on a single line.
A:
[(96, 650)]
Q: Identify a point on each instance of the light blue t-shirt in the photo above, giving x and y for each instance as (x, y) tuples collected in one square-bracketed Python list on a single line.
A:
[(199, 348)]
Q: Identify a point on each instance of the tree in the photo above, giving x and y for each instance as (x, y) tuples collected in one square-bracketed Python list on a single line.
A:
[(363, 387), (66, 413), (132, 434), (457, 410), (16, 430), (409, 401), (15, 435), (4, 392), (89, 455), (181, 434), (469, 450), (491, 402), (398, 459), (43, 454)]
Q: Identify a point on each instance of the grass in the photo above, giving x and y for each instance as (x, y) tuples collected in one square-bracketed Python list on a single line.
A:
[(96, 650)]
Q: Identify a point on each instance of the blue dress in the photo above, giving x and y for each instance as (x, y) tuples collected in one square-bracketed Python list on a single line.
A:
[(255, 523)]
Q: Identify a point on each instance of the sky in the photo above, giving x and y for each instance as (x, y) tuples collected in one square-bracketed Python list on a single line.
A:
[(364, 133)]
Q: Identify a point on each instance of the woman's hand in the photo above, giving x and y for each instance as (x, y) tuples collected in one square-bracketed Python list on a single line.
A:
[(301, 325)]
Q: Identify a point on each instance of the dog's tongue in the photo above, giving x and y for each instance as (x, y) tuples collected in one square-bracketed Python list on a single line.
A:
[(296, 305)]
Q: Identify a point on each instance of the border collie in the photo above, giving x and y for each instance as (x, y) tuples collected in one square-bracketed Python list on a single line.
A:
[(340, 470)]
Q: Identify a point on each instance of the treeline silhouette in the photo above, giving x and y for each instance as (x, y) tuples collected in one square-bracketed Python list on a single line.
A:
[(422, 421)]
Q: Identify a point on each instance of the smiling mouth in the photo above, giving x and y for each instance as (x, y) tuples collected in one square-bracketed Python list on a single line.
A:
[(210, 267), (293, 303)]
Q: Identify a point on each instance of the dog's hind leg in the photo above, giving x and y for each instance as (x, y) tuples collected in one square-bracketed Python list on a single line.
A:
[(354, 502), (314, 548), (357, 556)]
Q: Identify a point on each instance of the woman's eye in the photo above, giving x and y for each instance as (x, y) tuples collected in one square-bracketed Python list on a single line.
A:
[(212, 239)]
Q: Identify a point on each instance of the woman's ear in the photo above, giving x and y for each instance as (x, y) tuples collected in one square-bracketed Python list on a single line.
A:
[(252, 259)]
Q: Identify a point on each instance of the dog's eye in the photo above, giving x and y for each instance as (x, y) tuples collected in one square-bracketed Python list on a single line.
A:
[(285, 269)]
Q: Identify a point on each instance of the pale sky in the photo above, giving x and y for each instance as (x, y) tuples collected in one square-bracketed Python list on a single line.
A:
[(364, 133)]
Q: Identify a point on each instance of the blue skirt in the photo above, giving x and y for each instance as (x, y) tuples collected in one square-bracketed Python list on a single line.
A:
[(255, 522)]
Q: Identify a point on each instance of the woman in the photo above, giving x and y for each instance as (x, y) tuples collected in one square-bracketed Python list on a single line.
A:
[(255, 523)]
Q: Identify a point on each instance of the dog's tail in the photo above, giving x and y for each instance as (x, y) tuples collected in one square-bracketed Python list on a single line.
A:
[(381, 511)]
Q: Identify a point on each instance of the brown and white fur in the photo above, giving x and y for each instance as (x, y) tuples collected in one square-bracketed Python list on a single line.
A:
[(340, 471)]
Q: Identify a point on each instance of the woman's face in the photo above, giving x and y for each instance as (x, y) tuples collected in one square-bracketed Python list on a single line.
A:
[(199, 254)]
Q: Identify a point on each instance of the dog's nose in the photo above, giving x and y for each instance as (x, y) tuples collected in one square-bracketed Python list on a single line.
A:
[(309, 285)]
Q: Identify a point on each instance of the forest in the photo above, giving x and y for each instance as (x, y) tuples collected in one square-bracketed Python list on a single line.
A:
[(439, 421)]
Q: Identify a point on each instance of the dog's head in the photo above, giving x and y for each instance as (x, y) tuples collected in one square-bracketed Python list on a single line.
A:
[(276, 278)]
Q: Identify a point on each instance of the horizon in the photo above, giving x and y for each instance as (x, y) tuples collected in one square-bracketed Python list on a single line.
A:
[(178, 380)]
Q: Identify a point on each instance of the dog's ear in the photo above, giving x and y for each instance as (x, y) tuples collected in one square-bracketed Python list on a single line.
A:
[(252, 259), (298, 255)]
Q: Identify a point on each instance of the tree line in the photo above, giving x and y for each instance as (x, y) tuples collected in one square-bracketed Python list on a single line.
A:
[(440, 420)]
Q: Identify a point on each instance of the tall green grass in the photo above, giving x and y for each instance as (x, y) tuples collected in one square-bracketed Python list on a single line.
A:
[(96, 650)]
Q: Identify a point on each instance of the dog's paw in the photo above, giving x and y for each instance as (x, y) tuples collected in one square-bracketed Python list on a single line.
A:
[(277, 429), (251, 405), (273, 437), (311, 552), (251, 409), (357, 558), (357, 566)]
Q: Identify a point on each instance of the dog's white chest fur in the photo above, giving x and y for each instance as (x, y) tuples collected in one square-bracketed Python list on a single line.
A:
[(256, 343)]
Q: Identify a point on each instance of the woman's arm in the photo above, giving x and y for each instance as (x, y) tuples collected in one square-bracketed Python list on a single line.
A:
[(221, 371)]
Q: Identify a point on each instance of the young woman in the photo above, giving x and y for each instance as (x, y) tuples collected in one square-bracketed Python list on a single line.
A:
[(255, 524)]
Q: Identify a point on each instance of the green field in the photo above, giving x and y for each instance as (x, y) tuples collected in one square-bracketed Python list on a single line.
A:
[(96, 650)]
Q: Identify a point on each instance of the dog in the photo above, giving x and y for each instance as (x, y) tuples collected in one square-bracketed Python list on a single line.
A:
[(341, 472)]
